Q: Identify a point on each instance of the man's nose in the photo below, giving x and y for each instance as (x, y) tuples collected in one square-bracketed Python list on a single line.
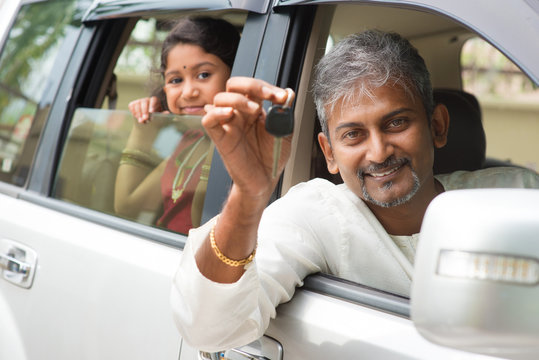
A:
[(379, 148)]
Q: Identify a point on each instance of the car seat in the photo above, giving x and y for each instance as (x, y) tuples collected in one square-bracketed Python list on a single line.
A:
[(466, 141)]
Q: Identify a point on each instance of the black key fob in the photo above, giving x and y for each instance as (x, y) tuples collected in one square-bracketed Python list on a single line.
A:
[(280, 121)]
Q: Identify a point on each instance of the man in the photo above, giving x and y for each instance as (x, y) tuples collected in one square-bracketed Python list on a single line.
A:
[(380, 127)]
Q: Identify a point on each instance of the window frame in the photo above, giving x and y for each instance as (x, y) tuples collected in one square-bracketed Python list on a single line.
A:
[(79, 86)]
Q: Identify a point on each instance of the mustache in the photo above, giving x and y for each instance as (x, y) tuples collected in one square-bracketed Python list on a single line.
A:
[(389, 162)]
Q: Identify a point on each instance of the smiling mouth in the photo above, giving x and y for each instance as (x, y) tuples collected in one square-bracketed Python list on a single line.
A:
[(385, 173), (384, 170)]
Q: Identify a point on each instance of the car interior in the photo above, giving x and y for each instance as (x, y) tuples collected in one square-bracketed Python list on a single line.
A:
[(440, 42)]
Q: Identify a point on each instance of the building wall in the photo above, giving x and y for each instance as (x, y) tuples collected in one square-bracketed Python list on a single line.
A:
[(513, 129)]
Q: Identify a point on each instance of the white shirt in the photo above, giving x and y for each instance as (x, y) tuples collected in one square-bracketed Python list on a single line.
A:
[(316, 227)]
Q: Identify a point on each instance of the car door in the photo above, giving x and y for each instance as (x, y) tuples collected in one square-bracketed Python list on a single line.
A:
[(330, 317), (79, 281)]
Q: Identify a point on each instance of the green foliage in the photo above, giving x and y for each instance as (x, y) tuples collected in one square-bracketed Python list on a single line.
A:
[(32, 44), (141, 55), (488, 73)]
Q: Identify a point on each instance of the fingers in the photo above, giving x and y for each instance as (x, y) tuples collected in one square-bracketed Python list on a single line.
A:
[(141, 108), (239, 102), (241, 105), (216, 117), (155, 104), (257, 89)]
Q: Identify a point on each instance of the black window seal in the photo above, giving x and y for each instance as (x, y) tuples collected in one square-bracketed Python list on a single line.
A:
[(219, 181)]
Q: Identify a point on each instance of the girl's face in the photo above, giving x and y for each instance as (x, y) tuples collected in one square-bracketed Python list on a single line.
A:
[(192, 78)]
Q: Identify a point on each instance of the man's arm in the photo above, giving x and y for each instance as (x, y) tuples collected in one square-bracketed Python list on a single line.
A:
[(213, 316), (236, 124)]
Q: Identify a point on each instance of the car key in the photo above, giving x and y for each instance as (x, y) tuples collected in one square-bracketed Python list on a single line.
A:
[(279, 123)]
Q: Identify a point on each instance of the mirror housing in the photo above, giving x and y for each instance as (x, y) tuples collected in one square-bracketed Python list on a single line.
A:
[(476, 276)]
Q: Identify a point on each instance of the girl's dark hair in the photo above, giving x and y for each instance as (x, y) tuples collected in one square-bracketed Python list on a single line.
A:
[(215, 36)]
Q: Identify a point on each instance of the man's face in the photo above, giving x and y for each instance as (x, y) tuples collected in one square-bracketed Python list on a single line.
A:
[(381, 146)]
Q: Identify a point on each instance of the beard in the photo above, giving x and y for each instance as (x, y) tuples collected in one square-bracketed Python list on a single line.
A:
[(391, 161)]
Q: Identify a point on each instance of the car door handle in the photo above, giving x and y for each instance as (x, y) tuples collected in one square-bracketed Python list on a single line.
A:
[(232, 354), (271, 349), (13, 265), (17, 263), (243, 355)]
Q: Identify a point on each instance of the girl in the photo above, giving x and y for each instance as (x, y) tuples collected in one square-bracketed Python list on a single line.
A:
[(196, 61)]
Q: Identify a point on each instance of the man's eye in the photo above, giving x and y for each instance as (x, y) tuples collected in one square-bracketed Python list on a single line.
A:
[(204, 75), (352, 134), (395, 123)]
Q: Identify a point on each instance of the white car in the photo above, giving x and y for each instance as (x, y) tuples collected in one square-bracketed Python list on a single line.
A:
[(80, 281)]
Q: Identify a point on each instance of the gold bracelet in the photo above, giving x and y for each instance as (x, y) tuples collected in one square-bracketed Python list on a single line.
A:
[(223, 257), (139, 158), (126, 160)]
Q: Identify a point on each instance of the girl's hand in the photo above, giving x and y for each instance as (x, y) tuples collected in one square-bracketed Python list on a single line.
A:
[(142, 108)]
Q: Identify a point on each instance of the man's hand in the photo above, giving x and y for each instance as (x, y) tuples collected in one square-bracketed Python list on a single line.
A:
[(236, 124)]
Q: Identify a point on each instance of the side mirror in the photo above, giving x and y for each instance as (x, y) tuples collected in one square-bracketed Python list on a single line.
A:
[(476, 277)]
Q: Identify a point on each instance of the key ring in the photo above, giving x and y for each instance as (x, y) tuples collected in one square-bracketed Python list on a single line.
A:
[(289, 93)]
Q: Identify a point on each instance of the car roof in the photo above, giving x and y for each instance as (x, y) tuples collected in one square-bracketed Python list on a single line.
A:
[(512, 29), (102, 9), (492, 19)]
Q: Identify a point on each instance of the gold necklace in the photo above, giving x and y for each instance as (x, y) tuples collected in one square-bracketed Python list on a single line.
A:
[(177, 193)]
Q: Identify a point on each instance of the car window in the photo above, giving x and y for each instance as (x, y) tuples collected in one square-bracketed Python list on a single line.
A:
[(137, 69), (154, 173), (509, 103), (32, 57), (96, 147), (438, 39)]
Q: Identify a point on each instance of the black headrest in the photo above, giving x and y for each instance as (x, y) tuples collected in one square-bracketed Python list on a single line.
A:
[(466, 142)]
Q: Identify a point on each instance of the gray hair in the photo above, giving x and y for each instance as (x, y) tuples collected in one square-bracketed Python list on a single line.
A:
[(366, 61)]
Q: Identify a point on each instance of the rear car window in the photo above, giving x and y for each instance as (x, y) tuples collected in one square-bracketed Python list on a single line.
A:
[(153, 173)]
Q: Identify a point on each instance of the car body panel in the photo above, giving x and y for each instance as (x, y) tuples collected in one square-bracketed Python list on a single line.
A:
[(90, 282), (8, 9), (101, 285), (314, 326)]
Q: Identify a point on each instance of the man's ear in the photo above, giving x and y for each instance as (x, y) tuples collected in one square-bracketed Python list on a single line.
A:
[(333, 168), (440, 125)]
